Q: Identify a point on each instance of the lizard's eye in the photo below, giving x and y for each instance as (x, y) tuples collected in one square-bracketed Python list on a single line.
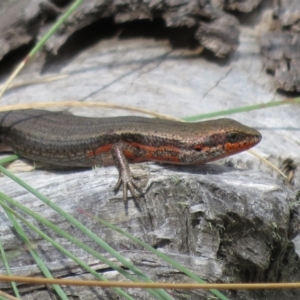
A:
[(233, 137)]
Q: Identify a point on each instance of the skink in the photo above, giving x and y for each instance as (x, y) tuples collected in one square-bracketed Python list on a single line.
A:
[(66, 140)]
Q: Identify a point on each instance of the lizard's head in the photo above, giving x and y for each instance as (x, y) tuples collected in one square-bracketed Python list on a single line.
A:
[(225, 137)]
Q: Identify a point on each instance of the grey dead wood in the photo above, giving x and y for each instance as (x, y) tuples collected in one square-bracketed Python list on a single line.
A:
[(228, 224), (213, 219), (244, 6), (204, 23), (280, 52), (21, 22), (280, 47)]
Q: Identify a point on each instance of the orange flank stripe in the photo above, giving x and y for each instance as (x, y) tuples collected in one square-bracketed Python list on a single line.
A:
[(171, 154), (150, 157), (151, 153), (99, 150), (152, 149)]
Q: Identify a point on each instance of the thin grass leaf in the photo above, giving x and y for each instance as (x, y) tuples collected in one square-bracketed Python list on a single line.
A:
[(35, 254), (40, 44), (9, 159), (54, 28), (156, 293), (55, 244), (6, 264), (4, 298), (240, 109)]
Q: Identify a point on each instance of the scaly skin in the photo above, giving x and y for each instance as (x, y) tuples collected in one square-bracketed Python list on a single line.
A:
[(66, 140)]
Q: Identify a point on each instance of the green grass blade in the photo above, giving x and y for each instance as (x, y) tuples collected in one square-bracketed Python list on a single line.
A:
[(6, 264), (240, 109), (161, 293), (55, 244), (3, 298), (9, 159), (34, 254), (54, 28), (154, 292)]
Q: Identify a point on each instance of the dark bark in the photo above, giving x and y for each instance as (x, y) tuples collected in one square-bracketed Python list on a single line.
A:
[(280, 48)]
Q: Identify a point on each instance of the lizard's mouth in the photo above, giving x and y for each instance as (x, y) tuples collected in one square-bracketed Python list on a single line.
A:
[(246, 143)]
